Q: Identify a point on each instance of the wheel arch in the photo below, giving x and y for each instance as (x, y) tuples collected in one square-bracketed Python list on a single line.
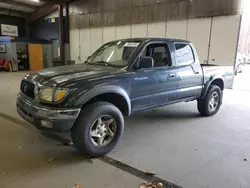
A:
[(216, 80), (112, 94)]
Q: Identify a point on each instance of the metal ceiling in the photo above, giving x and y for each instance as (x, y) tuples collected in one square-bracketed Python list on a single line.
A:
[(22, 8)]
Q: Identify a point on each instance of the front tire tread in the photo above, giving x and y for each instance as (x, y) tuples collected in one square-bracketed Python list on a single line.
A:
[(80, 131), (203, 104)]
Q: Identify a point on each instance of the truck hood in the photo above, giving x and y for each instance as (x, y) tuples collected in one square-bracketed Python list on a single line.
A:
[(58, 75)]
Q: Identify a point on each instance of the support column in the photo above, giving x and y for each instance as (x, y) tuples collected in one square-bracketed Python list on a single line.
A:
[(67, 24), (67, 38), (27, 29), (61, 33)]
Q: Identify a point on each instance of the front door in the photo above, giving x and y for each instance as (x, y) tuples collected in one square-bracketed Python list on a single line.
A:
[(155, 86)]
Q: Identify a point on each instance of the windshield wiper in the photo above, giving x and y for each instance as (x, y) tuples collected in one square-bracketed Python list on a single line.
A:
[(103, 63)]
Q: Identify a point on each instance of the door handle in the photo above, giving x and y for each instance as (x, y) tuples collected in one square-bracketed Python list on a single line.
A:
[(196, 72), (172, 75)]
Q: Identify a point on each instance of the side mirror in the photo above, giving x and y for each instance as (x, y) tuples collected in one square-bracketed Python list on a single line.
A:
[(146, 62)]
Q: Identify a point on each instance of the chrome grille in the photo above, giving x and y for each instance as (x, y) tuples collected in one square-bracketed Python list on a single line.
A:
[(28, 89)]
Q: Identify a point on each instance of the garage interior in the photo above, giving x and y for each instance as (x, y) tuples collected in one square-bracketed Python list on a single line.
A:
[(181, 147)]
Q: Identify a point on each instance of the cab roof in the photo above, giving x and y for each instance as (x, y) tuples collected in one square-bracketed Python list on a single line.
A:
[(154, 39)]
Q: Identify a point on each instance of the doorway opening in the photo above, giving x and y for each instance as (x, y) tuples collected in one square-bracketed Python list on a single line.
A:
[(22, 56), (242, 64)]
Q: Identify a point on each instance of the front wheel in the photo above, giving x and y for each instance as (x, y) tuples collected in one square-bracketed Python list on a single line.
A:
[(210, 105), (98, 129)]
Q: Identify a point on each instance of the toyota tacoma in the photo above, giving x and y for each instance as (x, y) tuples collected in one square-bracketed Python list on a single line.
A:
[(120, 78)]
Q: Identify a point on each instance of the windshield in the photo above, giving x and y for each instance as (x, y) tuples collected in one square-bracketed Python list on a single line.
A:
[(115, 54)]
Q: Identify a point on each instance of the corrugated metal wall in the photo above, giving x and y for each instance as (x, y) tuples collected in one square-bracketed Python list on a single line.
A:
[(102, 13)]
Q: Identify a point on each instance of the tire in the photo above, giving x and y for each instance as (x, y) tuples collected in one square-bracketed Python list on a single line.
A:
[(204, 105), (88, 121)]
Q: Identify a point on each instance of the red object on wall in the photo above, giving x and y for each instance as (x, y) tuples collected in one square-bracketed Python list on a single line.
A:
[(4, 63), (1, 61)]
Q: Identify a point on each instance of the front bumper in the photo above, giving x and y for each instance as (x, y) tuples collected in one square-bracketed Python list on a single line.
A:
[(46, 118)]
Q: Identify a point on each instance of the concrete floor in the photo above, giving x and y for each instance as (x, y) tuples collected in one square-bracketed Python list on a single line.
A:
[(25, 153), (174, 141), (24, 163)]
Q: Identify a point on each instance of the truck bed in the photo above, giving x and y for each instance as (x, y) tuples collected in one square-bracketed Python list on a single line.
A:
[(227, 73)]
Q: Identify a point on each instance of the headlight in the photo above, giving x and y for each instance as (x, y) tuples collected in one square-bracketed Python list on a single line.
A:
[(52, 94), (46, 94)]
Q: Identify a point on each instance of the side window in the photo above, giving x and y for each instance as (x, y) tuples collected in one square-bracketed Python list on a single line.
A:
[(183, 54), (160, 54)]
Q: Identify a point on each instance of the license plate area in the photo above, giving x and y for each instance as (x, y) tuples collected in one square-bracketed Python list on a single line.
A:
[(25, 111)]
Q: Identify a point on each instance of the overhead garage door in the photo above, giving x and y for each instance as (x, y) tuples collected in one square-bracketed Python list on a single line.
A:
[(177, 29), (223, 43), (198, 32), (224, 39)]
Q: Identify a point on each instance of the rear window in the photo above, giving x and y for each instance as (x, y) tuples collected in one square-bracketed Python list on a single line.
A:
[(184, 54)]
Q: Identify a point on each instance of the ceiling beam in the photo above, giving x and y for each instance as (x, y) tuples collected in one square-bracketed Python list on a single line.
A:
[(47, 1), (47, 9), (61, 2), (18, 3), (13, 12), (43, 12)]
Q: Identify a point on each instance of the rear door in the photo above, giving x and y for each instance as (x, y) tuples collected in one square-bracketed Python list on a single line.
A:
[(190, 73), (158, 85)]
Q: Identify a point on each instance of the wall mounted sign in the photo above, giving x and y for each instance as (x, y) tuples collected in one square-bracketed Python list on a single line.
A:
[(2, 48), (10, 30)]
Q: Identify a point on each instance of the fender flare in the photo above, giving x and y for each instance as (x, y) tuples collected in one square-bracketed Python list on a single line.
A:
[(208, 84), (85, 97)]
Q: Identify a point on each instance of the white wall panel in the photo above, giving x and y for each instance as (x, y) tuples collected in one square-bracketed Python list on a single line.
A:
[(157, 29), (139, 30), (224, 40), (85, 44), (177, 29), (96, 38), (74, 44), (198, 33), (108, 34), (222, 45), (123, 32)]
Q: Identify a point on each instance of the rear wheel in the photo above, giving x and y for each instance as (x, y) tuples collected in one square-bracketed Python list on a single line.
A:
[(98, 129), (210, 105)]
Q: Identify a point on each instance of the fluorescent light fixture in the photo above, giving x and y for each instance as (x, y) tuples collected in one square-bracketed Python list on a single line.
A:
[(36, 1)]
